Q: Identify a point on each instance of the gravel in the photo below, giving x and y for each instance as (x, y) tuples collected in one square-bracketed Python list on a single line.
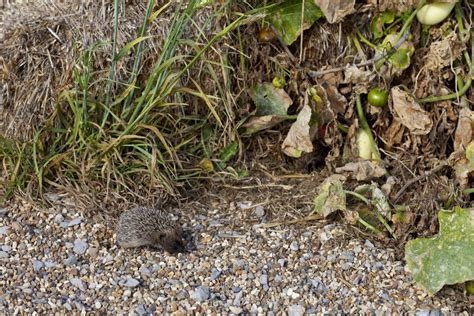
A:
[(237, 268)]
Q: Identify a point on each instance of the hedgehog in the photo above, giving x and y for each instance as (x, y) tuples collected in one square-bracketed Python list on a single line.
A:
[(142, 226)]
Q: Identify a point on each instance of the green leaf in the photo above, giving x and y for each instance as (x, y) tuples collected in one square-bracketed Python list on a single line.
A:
[(272, 105), (229, 151), (270, 100), (447, 258), (286, 18), (126, 49), (378, 22), (401, 58)]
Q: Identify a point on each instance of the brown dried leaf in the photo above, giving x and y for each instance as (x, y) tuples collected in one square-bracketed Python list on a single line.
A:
[(335, 10), (362, 170), (394, 134), (298, 139), (410, 113), (442, 53), (464, 131), (360, 78)]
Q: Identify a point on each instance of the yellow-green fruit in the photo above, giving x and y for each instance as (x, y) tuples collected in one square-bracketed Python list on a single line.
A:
[(206, 165), (431, 14), (278, 82), (364, 145)]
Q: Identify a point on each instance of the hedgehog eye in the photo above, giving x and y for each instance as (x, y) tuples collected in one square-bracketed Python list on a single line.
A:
[(161, 236)]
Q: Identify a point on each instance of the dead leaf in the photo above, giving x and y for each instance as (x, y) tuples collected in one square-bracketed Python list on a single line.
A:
[(331, 197), (258, 123), (464, 130), (463, 162), (442, 53), (393, 135), (362, 170), (410, 113), (298, 139), (360, 78), (335, 10)]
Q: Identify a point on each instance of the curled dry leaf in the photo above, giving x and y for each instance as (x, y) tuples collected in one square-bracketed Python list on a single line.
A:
[(272, 105), (333, 102), (463, 162), (464, 131), (335, 10), (358, 77), (298, 139), (393, 135), (444, 52), (362, 170), (397, 6), (331, 197), (410, 113)]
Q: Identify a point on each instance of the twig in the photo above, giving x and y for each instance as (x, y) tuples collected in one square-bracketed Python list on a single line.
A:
[(419, 178), (377, 58)]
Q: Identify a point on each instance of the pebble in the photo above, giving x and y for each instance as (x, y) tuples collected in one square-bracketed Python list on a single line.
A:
[(368, 244), (59, 218), (3, 230), (37, 265), (294, 246), (296, 310), (235, 310), (80, 246), (259, 211), (74, 222), (70, 261), (200, 294), (131, 282), (3, 254), (77, 282), (6, 248), (215, 274)]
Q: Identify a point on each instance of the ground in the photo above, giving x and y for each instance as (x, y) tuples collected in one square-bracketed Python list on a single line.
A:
[(58, 259)]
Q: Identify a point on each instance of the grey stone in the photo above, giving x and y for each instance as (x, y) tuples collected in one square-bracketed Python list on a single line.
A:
[(277, 278), (131, 282), (294, 246), (68, 306), (70, 261), (378, 265), (236, 289), (296, 310), (49, 264), (141, 309), (368, 244), (80, 246), (3, 254), (201, 293), (6, 248), (282, 262), (77, 283), (215, 274), (3, 230), (53, 197), (144, 270), (259, 211), (74, 222), (264, 279), (58, 218), (237, 299), (348, 256), (331, 258), (37, 265)]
